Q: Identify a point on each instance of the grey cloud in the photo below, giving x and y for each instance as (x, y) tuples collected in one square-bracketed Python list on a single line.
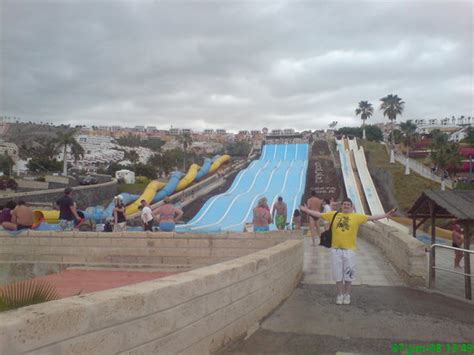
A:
[(232, 64)]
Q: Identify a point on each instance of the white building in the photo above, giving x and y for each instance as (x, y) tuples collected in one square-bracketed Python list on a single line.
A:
[(10, 148), (458, 135), (126, 175)]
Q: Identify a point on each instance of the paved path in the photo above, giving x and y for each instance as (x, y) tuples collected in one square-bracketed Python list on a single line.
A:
[(383, 312)]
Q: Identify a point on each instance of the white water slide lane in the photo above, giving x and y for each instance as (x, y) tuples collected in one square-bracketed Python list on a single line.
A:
[(281, 171), (370, 192), (348, 175)]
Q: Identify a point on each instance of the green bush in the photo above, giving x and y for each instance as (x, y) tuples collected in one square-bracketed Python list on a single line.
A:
[(142, 180), (25, 293), (7, 182)]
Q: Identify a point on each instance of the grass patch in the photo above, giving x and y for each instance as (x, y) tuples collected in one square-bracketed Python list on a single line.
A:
[(407, 187)]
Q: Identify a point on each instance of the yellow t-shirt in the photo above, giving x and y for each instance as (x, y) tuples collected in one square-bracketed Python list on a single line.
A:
[(345, 228)]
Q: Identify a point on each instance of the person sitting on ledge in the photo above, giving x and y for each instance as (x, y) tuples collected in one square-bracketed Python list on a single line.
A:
[(22, 218)]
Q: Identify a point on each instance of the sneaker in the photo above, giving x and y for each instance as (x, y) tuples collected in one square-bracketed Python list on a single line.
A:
[(339, 299), (346, 299)]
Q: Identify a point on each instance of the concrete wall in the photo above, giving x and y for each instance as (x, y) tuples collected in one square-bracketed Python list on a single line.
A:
[(406, 253), (85, 196), (194, 312), (40, 253), (25, 185)]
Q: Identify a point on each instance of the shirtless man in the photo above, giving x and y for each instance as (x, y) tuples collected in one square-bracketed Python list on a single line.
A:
[(314, 204), (279, 212), (22, 217)]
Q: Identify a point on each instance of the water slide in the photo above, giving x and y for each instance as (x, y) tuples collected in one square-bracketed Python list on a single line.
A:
[(281, 171), (368, 186), (154, 192), (348, 175)]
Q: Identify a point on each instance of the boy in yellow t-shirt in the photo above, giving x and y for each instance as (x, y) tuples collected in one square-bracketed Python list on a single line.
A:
[(344, 235)]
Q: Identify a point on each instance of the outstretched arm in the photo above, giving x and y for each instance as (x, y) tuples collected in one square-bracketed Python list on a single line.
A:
[(305, 209), (382, 216)]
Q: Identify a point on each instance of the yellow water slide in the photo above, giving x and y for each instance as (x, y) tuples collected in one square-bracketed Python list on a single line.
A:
[(188, 178), (147, 195), (216, 165), (49, 216)]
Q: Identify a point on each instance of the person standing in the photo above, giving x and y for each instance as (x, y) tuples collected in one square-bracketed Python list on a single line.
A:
[(167, 215), (279, 213), (21, 217), (147, 216), (67, 211), (326, 209), (261, 216), (457, 243), (314, 204), (344, 235), (120, 219)]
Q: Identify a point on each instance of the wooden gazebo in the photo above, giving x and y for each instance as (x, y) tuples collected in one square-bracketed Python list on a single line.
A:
[(458, 204)]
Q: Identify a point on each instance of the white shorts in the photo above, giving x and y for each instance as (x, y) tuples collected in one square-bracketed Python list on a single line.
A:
[(343, 264)]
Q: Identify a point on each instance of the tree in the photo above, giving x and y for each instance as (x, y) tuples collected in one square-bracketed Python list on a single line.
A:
[(365, 110), (6, 164), (469, 137), (444, 154), (410, 136), (240, 148), (373, 132), (185, 140), (392, 106), (144, 170), (132, 156), (66, 139)]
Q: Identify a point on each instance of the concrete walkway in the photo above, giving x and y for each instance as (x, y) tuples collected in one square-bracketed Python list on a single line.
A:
[(383, 312)]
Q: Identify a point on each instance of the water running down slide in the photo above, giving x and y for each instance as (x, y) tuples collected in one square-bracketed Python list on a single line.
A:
[(281, 171)]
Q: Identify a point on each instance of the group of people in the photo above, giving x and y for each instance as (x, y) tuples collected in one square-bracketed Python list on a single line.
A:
[(16, 216), (263, 217), (166, 215)]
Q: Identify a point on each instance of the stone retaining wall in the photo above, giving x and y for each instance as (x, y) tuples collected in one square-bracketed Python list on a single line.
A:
[(193, 312), (84, 196), (38, 253), (405, 253)]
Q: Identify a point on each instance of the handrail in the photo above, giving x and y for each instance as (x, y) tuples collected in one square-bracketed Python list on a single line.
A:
[(432, 267)]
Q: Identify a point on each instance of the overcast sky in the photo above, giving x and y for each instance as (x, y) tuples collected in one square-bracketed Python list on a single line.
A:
[(233, 64)]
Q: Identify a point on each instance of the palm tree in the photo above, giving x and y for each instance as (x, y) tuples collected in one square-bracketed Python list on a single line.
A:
[(365, 110), (185, 140), (408, 129), (392, 105), (65, 139)]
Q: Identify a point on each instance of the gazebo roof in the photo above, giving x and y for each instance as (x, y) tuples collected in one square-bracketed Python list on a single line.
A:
[(449, 204)]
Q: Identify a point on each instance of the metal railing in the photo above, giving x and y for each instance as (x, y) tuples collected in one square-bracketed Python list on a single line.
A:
[(423, 170), (467, 275)]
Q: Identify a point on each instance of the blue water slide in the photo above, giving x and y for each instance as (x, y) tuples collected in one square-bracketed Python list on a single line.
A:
[(240, 180), (224, 202), (204, 169), (170, 186), (280, 171)]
